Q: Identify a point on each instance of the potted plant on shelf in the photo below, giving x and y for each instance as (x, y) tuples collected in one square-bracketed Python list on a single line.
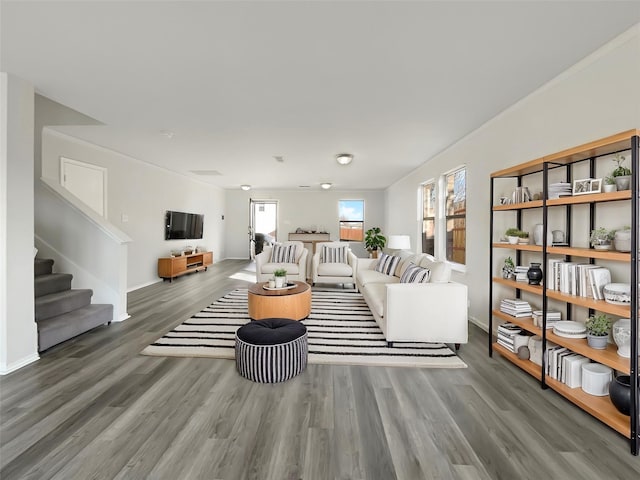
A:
[(609, 184), (598, 331), (513, 235), (622, 239), (621, 174), (523, 238), (374, 241), (601, 238), (280, 276), (508, 269)]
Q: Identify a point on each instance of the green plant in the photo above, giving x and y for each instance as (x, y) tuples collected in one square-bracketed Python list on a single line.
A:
[(620, 171), (598, 325), (522, 234), (609, 180), (601, 235), (281, 272), (512, 232), (374, 240), (508, 262)]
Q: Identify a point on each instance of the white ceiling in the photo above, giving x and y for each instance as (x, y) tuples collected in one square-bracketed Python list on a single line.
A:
[(237, 83)]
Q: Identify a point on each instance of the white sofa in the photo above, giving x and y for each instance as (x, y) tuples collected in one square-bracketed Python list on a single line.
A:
[(327, 271), (415, 312), (296, 270)]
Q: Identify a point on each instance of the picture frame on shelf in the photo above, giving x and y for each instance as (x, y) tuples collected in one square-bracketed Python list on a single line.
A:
[(596, 185), (586, 186)]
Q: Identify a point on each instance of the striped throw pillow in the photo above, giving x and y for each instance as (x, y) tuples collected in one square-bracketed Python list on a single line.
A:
[(387, 264), (415, 274), (334, 254), (283, 253)]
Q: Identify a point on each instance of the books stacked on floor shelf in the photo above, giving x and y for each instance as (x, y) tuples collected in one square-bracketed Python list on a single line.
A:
[(515, 307), (553, 316), (565, 366), (510, 336), (521, 273)]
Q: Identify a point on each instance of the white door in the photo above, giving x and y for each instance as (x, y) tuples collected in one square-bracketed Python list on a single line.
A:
[(87, 182)]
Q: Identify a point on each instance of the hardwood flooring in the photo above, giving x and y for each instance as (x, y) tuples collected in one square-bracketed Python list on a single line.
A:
[(93, 408)]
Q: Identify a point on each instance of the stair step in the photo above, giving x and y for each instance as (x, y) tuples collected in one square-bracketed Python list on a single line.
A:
[(59, 303), (42, 266), (57, 329), (52, 283)]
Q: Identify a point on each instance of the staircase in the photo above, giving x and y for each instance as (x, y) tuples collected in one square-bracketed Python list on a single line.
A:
[(62, 312)]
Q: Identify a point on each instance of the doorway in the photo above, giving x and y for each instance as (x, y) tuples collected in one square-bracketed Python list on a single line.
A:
[(263, 224), (85, 181)]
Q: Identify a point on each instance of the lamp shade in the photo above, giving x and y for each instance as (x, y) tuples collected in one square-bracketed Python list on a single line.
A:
[(399, 242)]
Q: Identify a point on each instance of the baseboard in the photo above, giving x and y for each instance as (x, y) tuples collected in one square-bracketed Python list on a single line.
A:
[(137, 287), (17, 365), (122, 317), (478, 323)]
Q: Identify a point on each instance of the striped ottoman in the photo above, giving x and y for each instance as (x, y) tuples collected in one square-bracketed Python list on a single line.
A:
[(271, 350)]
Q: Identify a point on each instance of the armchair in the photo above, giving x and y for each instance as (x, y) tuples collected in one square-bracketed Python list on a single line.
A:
[(334, 262), (295, 262)]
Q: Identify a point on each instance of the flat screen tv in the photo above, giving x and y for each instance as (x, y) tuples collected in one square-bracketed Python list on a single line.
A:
[(180, 225)]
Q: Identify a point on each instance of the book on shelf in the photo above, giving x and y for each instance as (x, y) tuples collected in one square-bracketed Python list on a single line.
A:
[(573, 370), (552, 317), (598, 278)]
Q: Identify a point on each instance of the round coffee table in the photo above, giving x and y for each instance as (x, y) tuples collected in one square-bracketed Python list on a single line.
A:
[(293, 303)]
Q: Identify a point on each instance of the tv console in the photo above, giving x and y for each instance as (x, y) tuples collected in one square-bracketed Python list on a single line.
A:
[(171, 267)]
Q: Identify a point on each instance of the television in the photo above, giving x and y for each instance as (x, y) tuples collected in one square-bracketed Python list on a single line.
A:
[(181, 225)]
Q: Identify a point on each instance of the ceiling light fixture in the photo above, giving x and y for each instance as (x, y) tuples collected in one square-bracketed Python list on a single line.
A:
[(344, 158), (245, 187), (325, 185)]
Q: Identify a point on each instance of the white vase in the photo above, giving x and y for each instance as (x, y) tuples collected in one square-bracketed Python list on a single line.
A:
[(280, 281), (607, 188), (538, 230), (621, 331)]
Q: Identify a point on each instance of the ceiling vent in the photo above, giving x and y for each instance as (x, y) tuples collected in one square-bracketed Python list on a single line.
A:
[(279, 158)]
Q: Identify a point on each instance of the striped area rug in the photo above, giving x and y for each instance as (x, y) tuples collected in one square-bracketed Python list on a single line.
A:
[(341, 330)]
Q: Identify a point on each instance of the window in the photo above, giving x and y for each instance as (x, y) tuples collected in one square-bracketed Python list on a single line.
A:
[(351, 214), (429, 217), (455, 215)]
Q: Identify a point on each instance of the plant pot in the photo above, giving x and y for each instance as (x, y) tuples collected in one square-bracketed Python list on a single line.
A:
[(534, 274), (620, 393), (608, 188), (523, 241), (623, 240), (598, 342), (513, 240), (602, 245), (623, 182), (280, 282)]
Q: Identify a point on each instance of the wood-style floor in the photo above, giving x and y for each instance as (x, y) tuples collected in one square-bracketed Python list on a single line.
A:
[(94, 408)]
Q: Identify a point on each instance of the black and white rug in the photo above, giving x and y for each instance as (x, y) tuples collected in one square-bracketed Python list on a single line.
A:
[(341, 330)]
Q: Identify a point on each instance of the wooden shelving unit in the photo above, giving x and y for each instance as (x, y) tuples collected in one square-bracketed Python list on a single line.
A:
[(600, 407)]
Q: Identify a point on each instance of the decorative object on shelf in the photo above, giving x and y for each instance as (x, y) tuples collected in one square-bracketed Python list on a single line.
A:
[(508, 269), (523, 238), (620, 393), (617, 293), (596, 379), (513, 235), (621, 174), (374, 241), (586, 186), (280, 277), (538, 230), (601, 238), (570, 329), (621, 331), (534, 274), (523, 352), (598, 331), (558, 237), (609, 184), (622, 239)]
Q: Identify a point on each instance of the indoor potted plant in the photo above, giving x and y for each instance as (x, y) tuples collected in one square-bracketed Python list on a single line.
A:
[(609, 184), (508, 269), (598, 331), (621, 174), (601, 238), (523, 238), (280, 276), (374, 241), (513, 235)]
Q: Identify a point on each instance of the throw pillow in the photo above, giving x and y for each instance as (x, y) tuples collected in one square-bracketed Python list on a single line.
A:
[(334, 254), (387, 264), (415, 274), (283, 253)]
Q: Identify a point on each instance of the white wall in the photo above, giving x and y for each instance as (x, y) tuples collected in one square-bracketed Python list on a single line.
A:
[(142, 192), (596, 98), (18, 333), (297, 209)]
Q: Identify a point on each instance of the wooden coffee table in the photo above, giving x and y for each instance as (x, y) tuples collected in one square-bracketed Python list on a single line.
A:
[(293, 303)]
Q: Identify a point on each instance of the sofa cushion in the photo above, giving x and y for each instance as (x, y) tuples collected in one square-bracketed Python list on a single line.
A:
[(414, 258), (283, 253), (440, 271), (366, 277), (387, 264), (415, 274), (376, 295), (405, 255), (291, 268), (333, 254), (334, 270)]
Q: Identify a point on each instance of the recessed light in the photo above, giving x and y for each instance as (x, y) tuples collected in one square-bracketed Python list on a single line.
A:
[(344, 158), (245, 187), (325, 185)]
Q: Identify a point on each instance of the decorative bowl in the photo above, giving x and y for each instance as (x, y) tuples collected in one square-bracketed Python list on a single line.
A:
[(617, 293)]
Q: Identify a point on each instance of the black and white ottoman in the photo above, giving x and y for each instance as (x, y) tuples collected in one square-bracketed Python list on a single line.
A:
[(271, 350)]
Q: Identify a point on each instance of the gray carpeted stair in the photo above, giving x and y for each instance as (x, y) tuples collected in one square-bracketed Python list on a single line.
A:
[(61, 312)]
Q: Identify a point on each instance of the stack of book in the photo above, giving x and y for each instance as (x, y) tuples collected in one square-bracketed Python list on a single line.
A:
[(510, 336), (560, 189), (565, 366), (515, 307), (553, 316), (580, 279), (521, 273)]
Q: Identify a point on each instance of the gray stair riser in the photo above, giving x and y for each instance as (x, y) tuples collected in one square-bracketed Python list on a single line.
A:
[(52, 283), (42, 266), (58, 303), (68, 325)]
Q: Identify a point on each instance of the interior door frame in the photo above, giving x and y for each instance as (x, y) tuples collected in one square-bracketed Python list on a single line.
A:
[(253, 202)]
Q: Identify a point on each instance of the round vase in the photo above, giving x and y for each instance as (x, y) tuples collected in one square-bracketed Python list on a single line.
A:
[(280, 281), (538, 235), (623, 240), (623, 182), (599, 342), (534, 274), (620, 393), (621, 331)]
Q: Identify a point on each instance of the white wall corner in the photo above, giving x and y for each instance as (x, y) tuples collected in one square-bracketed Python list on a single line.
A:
[(18, 364)]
